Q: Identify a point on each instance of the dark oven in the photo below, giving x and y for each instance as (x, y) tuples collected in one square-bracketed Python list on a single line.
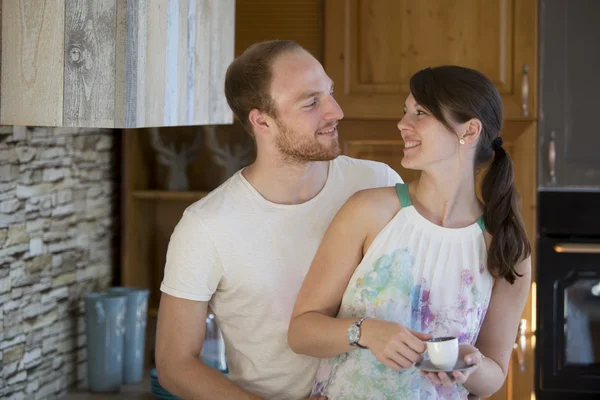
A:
[(568, 296)]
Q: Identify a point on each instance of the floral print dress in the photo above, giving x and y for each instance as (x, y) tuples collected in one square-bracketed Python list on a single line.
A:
[(426, 277)]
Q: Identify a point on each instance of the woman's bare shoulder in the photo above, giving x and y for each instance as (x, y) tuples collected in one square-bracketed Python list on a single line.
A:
[(376, 198), (375, 206)]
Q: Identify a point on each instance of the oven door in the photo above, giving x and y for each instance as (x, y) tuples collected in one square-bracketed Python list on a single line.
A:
[(568, 350)]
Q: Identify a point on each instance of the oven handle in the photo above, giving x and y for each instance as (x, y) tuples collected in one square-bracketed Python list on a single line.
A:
[(589, 248)]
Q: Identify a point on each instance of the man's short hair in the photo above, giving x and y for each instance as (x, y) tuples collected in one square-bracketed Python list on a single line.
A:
[(248, 79)]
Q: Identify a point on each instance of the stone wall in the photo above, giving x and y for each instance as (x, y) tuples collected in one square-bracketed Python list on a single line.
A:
[(58, 224)]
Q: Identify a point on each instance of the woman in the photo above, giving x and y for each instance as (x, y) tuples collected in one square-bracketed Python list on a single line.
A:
[(424, 259)]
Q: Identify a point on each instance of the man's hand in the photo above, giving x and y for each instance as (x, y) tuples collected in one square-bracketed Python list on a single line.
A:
[(179, 340)]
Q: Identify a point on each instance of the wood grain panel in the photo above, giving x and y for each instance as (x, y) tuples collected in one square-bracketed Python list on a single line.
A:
[(524, 156), (156, 43), (190, 47), (395, 39), (201, 81), (134, 256), (135, 61), (129, 64), (373, 47), (172, 61), (32, 62), (120, 60), (89, 74), (298, 20), (221, 50), (0, 51), (185, 25), (525, 55)]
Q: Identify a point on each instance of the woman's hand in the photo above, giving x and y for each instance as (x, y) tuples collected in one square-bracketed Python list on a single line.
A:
[(470, 355), (394, 345)]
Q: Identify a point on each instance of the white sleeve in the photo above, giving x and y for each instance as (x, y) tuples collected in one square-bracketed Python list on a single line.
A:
[(393, 177), (193, 268)]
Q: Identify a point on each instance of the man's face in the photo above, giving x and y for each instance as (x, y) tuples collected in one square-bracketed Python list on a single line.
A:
[(306, 112)]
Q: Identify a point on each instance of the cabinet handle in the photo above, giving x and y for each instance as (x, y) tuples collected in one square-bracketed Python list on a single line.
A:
[(521, 344), (580, 248), (552, 157), (525, 90)]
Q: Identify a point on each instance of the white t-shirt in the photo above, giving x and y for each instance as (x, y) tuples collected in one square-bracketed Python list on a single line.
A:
[(249, 257)]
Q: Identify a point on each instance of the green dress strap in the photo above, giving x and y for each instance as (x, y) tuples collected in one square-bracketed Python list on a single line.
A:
[(403, 195), (481, 223)]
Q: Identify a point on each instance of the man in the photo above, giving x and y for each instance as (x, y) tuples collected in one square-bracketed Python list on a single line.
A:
[(246, 247)]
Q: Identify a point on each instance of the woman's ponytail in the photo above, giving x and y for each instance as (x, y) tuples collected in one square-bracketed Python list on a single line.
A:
[(510, 244)]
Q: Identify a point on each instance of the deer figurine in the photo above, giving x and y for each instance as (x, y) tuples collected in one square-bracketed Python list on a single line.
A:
[(177, 161), (231, 161)]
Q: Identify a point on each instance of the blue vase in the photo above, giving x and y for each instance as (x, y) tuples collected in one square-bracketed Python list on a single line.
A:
[(105, 330), (213, 350), (135, 331)]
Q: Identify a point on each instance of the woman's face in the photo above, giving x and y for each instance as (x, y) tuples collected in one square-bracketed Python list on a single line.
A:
[(427, 142)]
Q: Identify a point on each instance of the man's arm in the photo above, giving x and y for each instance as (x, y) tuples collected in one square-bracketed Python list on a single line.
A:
[(193, 270), (179, 339)]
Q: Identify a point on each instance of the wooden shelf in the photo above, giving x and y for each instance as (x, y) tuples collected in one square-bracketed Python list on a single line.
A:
[(166, 195)]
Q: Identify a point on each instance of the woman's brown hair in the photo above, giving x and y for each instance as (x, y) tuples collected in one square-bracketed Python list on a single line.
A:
[(463, 94)]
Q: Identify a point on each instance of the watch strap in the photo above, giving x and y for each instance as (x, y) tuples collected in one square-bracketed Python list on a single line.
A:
[(358, 324)]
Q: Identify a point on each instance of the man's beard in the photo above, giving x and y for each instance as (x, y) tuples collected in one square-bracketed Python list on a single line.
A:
[(297, 148)]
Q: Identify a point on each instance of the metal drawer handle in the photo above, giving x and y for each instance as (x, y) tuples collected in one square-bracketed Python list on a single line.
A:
[(525, 90), (589, 248), (552, 157)]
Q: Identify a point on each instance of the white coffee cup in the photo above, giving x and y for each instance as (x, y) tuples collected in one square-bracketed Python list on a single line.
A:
[(443, 352)]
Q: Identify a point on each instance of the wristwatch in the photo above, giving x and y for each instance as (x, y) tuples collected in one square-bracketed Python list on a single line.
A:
[(353, 334)]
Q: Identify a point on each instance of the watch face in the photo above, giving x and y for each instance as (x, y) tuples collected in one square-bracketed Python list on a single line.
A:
[(353, 334)]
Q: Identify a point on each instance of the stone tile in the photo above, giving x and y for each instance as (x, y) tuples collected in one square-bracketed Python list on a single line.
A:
[(56, 230)]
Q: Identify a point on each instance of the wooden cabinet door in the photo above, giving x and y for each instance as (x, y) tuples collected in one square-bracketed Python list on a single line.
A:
[(373, 47)]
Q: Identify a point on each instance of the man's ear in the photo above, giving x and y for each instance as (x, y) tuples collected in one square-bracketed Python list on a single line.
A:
[(260, 121)]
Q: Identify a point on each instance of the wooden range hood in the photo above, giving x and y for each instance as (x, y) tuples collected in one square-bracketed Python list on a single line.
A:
[(115, 63)]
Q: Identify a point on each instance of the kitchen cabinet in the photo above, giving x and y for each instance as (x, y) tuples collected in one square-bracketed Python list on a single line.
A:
[(569, 86), (115, 63), (373, 47)]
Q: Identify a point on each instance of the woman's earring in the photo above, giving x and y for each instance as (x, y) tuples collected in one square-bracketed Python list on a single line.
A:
[(461, 141)]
